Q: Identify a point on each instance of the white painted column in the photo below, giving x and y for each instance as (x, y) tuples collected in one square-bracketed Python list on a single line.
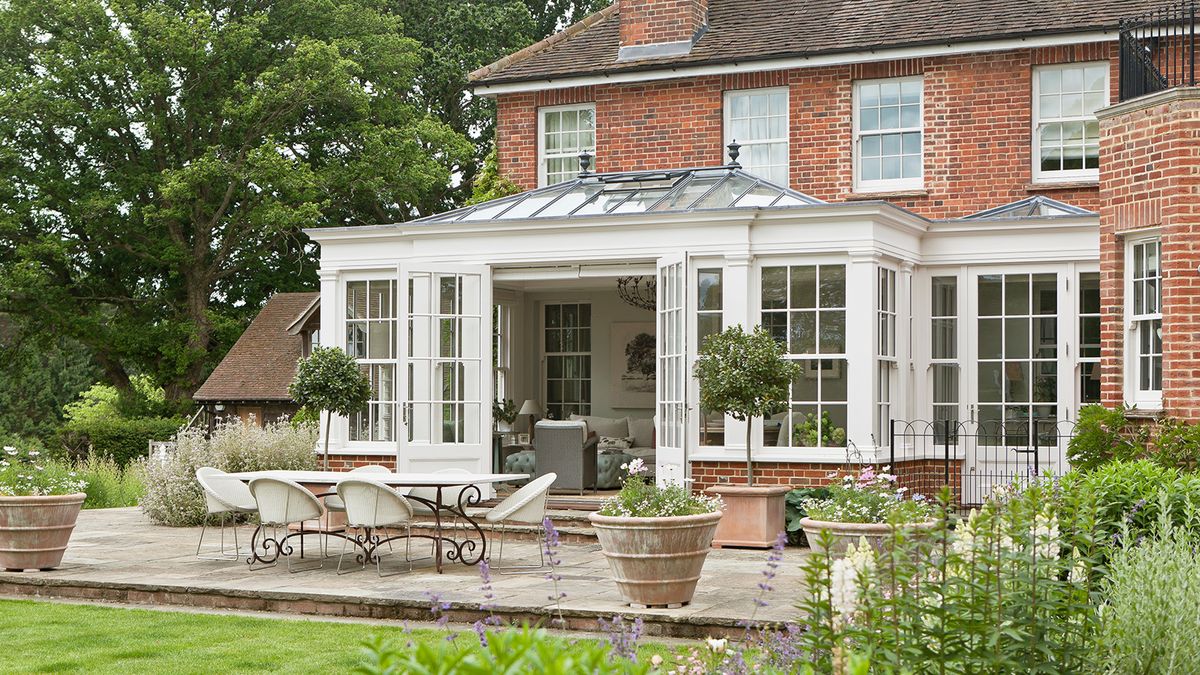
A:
[(904, 394), (738, 304), (861, 325), (332, 335)]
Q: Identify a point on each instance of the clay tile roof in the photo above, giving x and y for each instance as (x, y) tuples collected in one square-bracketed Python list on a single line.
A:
[(749, 30), (262, 363)]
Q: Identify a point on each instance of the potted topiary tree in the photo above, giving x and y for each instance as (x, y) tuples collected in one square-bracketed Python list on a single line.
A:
[(745, 375), (330, 381)]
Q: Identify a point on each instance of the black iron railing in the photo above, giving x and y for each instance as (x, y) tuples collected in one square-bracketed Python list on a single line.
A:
[(1158, 50), (975, 458)]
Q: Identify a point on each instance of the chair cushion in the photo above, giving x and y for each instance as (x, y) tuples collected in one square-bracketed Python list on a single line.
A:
[(605, 426), (609, 445), (642, 431)]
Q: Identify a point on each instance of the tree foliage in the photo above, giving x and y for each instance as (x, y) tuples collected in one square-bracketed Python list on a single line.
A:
[(744, 375), (159, 159), (329, 380), (41, 374)]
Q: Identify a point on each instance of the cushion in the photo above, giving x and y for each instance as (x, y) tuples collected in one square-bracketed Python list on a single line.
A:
[(642, 431), (605, 426), (559, 424), (610, 444)]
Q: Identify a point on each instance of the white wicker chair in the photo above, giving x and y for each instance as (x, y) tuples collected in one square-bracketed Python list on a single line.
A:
[(526, 506), (282, 503), (371, 506), (333, 503), (227, 497)]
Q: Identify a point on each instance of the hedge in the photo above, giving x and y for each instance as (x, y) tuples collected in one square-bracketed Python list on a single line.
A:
[(123, 440)]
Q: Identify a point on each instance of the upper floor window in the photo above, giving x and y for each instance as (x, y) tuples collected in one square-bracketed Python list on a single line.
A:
[(565, 131), (888, 134), (1144, 310), (758, 120), (1066, 138)]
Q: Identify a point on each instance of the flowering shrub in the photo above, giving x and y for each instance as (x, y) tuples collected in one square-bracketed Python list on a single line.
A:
[(641, 498), (24, 472), (173, 497), (869, 497)]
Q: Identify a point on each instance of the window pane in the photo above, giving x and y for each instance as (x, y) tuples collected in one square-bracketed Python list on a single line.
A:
[(709, 289), (804, 286), (833, 286), (774, 287)]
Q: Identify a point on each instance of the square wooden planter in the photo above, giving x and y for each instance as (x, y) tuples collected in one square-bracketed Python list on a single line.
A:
[(754, 515)]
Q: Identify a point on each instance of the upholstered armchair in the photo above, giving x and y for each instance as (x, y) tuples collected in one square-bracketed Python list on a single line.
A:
[(563, 448)]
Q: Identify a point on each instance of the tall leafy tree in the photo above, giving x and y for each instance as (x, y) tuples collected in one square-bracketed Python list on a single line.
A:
[(158, 159), (41, 374)]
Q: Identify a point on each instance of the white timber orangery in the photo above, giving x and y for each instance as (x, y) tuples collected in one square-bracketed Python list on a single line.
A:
[(591, 298)]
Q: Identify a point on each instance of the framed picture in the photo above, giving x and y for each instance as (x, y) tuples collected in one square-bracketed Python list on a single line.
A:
[(633, 365), (522, 439)]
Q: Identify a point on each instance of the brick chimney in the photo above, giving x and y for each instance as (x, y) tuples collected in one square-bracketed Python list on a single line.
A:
[(657, 28)]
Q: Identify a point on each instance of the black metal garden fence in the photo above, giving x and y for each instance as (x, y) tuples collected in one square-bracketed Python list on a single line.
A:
[(974, 458)]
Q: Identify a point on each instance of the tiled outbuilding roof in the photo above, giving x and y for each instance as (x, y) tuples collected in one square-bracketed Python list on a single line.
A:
[(751, 30), (262, 363)]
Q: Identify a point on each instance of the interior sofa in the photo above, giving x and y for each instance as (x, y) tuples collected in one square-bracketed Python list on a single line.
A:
[(638, 429)]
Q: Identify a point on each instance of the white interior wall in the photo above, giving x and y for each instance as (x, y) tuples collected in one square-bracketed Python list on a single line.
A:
[(607, 308)]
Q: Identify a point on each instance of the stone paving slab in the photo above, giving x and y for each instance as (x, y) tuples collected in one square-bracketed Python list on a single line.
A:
[(118, 555)]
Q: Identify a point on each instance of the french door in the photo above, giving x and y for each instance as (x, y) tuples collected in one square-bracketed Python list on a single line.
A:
[(445, 367), (1019, 378), (672, 377)]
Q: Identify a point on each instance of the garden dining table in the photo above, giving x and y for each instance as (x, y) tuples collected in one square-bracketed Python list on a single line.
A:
[(469, 494)]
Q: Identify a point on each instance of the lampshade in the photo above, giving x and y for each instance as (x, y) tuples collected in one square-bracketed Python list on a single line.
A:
[(530, 407)]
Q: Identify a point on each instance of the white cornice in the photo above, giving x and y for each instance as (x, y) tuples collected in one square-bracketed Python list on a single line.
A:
[(866, 56)]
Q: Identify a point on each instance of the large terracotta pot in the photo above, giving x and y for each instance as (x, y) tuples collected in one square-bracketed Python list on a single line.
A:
[(844, 534), (754, 514), (656, 562), (34, 531)]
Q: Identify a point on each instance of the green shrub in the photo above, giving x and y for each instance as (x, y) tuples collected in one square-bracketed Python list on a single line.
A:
[(173, 497), (1103, 435), (1177, 444), (110, 485), (1151, 618), (122, 440), (1127, 497)]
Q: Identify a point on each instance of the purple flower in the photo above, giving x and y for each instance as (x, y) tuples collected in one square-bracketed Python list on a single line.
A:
[(623, 637), (551, 544), (437, 609)]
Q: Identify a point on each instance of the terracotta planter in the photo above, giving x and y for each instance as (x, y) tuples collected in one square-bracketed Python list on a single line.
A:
[(34, 531), (656, 562), (844, 534), (754, 515)]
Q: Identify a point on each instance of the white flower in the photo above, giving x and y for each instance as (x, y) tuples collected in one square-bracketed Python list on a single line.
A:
[(716, 646), (635, 467), (34, 453), (656, 660), (847, 574), (10, 450)]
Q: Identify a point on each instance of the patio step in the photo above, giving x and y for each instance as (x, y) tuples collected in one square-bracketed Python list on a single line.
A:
[(572, 527)]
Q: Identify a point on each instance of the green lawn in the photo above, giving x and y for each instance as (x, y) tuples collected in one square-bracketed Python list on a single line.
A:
[(39, 637)]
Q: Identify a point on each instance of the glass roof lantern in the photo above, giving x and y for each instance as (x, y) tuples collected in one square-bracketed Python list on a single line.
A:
[(671, 191)]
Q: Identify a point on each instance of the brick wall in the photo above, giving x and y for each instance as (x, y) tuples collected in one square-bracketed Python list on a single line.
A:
[(1149, 179), (978, 126), (660, 21), (922, 476), (347, 462)]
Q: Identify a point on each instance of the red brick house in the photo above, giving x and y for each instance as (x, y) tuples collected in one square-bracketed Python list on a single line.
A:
[(948, 211)]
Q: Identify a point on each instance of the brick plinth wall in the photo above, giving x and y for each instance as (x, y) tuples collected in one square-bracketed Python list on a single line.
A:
[(924, 476), (978, 137), (347, 462), (1150, 149)]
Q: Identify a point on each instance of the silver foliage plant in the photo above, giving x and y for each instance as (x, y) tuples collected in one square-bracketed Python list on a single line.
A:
[(173, 497)]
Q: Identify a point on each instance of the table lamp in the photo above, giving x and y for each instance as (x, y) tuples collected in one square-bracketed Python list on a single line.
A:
[(533, 409)]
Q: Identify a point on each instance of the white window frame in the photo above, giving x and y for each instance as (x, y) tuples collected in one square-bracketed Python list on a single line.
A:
[(1134, 395), (1082, 361), (1066, 176), (585, 406), (368, 363), (543, 155), (747, 143), (502, 341), (885, 353), (885, 185)]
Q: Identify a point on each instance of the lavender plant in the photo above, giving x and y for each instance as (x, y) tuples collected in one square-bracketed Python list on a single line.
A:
[(550, 542)]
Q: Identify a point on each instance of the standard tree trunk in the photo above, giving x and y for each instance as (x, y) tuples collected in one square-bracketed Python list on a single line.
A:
[(328, 420), (749, 453)]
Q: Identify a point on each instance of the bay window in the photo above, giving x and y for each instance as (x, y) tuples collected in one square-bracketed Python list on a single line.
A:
[(804, 308)]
